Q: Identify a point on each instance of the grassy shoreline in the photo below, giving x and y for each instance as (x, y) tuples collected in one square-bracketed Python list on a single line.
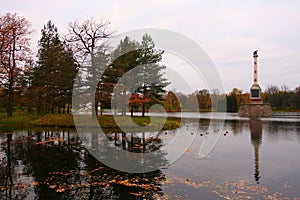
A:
[(105, 121)]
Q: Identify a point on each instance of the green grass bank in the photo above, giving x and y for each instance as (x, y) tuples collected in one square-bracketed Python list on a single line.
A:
[(105, 121)]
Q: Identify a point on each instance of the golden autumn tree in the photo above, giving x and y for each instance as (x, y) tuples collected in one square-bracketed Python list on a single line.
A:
[(172, 104), (14, 52)]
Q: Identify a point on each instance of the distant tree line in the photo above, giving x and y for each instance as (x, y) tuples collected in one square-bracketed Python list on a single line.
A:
[(280, 98), (283, 98), (201, 100)]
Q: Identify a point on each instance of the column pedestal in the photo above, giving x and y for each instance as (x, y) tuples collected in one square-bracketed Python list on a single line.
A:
[(255, 109)]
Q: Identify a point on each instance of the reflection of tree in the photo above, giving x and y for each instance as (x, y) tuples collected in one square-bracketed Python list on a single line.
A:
[(101, 182), (62, 169), (133, 151), (256, 140), (281, 130), (132, 142), (235, 126), (8, 175), (8, 179)]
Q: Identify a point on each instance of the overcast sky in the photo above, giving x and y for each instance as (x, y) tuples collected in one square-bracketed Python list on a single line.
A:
[(229, 31)]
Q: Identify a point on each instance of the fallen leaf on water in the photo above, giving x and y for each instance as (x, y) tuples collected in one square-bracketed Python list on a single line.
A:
[(135, 194), (33, 183), (60, 189), (52, 186)]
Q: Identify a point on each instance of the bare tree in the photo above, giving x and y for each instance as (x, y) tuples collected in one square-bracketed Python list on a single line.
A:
[(14, 52), (272, 94), (87, 38)]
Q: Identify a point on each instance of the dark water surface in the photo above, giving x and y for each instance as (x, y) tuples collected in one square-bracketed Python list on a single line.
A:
[(255, 159)]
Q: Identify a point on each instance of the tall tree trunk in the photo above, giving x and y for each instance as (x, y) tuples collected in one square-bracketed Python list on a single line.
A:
[(131, 111), (68, 109), (96, 107), (143, 110), (39, 106), (52, 109), (115, 107), (101, 109), (94, 114), (10, 98), (123, 102), (115, 111), (94, 86), (11, 80)]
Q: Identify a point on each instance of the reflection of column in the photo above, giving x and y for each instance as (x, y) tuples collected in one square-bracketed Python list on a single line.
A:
[(256, 140)]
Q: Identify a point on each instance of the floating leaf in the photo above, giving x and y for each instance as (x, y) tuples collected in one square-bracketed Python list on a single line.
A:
[(52, 186), (60, 189)]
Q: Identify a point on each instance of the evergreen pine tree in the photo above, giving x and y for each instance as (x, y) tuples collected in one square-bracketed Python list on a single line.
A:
[(55, 71)]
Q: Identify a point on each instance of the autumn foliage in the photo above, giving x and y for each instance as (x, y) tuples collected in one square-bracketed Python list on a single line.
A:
[(138, 100), (14, 52)]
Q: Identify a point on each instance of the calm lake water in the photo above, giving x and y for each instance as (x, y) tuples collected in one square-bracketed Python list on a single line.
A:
[(253, 159)]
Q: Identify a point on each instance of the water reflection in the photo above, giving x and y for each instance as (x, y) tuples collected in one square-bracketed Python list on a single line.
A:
[(8, 179), (256, 140), (54, 165)]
